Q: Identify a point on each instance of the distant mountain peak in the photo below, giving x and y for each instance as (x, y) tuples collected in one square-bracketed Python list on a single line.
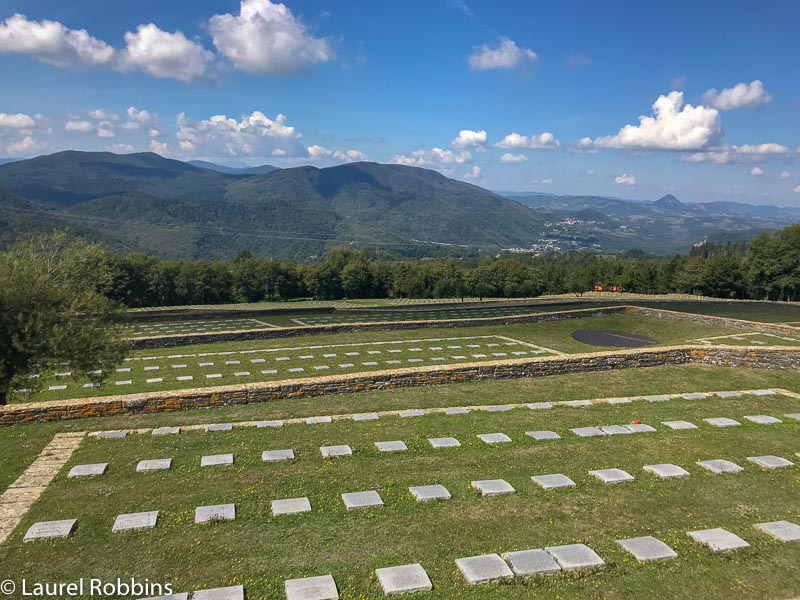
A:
[(669, 201)]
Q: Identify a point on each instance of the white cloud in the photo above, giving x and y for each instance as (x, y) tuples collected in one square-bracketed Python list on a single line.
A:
[(724, 155), (164, 55), (625, 179), (585, 145), (79, 126), (797, 190), (545, 181), (534, 142), (278, 152), (266, 38), (53, 43), (742, 95), (470, 139), (26, 146), (121, 148), (675, 126), (784, 175), (221, 135), (473, 173), (350, 156), (99, 114), (506, 55), (105, 129), (159, 147), (757, 172), (317, 152), (512, 159), (16, 121), (434, 157)]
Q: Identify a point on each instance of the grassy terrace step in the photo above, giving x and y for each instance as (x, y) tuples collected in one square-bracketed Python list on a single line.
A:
[(260, 551)]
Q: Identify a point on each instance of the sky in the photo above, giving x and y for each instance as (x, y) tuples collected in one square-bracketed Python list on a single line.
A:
[(623, 98)]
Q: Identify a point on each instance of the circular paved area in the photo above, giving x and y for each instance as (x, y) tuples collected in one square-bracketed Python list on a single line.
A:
[(618, 339)]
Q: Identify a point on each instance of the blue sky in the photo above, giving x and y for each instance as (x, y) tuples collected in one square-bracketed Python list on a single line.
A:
[(511, 96)]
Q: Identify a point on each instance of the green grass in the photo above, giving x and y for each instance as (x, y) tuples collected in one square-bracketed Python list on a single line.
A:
[(553, 335), (260, 551)]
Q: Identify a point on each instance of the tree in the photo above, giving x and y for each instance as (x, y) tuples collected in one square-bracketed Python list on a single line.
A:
[(52, 312)]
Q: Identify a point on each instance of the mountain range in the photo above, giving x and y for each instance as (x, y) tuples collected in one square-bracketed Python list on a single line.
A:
[(173, 209)]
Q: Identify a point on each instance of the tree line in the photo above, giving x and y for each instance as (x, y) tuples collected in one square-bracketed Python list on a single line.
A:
[(766, 268)]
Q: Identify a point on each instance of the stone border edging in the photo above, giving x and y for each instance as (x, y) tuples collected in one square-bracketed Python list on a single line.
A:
[(250, 393)]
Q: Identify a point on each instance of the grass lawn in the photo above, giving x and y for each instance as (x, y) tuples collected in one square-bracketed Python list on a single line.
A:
[(554, 335), (260, 551)]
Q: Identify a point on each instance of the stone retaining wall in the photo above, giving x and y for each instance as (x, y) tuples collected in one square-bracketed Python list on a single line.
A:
[(730, 356), (659, 313)]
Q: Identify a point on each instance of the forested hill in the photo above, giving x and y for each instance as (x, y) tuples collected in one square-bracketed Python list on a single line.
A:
[(172, 209)]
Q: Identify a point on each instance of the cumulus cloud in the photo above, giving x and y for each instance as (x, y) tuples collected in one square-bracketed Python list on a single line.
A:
[(512, 159), (796, 190), (432, 158), (506, 55), (16, 121), (625, 179), (254, 133), (674, 126), (724, 155), (105, 129), (757, 172), (53, 43), (266, 38), (26, 146), (121, 148), (742, 95), (98, 114), (585, 145), (78, 126), (164, 55), (470, 139), (534, 142), (161, 148), (317, 152), (473, 173), (784, 175)]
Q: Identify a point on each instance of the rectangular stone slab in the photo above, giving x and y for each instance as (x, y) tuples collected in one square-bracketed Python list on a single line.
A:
[(406, 414), (640, 428), (527, 563), (220, 427), (456, 410), (51, 529), (263, 424), (235, 592), (391, 446), (647, 548), (311, 588), (763, 393), (763, 419), (88, 470), (366, 417), (217, 512), (587, 431), (155, 464), (695, 396), (722, 422), (770, 462), (666, 471), (718, 540), (113, 435), (277, 455), (609, 476), (720, 465), (553, 481), (166, 431), (290, 506), (494, 438), (492, 487), (498, 408), (335, 451), (183, 596), (426, 493), (133, 521), (543, 435), (405, 579), (359, 500), (216, 460), (480, 569), (657, 398), (615, 430), (729, 394), (679, 425), (540, 405), (574, 557), (446, 442), (318, 420), (784, 531)]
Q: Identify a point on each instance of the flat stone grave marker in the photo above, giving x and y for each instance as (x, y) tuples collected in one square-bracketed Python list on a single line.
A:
[(277, 455), (578, 403), (587, 431), (763, 393), (480, 569), (112, 435), (615, 430), (667, 471), (366, 417), (647, 548), (456, 410), (133, 521), (318, 420), (729, 394), (718, 540), (784, 531), (770, 462), (720, 466), (426, 493), (88, 470), (657, 398), (335, 451), (45, 530), (540, 405), (619, 400), (679, 425), (640, 428), (553, 481), (359, 500), (216, 512), (219, 427), (263, 424), (311, 588), (391, 446), (492, 487), (795, 416), (722, 422), (763, 419), (290, 506), (694, 396), (494, 438), (445, 442), (406, 414), (498, 408), (404, 579), (215, 460), (609, 476), (155, 464), (183, 596), (235, 592), (166, 431), (574, 557), (526, 563), (543, 435)]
